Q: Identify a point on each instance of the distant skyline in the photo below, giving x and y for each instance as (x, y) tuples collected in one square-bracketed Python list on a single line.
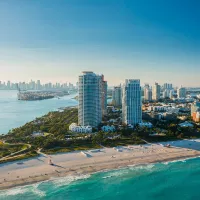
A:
[(54, 41)]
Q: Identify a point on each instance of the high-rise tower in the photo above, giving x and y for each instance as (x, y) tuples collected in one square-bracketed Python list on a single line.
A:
[(131, 102), (90, 99), (156, 92), (117, 96)]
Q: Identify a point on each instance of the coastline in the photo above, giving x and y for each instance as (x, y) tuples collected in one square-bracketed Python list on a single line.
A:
[(75, 164), (14, 113)]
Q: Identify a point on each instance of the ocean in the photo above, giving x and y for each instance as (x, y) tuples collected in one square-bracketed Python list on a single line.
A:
[(161, 181), (14, 113)]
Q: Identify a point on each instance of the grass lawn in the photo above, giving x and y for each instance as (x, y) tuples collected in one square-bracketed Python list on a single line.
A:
[(122, 142), (74, 147), (20, 157), (6, 149)]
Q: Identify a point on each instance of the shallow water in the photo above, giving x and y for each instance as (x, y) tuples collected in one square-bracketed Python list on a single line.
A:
[(14, 113), (172, 180)]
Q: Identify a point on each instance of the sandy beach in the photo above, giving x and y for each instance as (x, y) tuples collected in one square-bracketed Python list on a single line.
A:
[(37, 169)]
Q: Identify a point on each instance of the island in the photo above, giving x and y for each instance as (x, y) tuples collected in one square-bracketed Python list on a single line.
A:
[(40, 95)]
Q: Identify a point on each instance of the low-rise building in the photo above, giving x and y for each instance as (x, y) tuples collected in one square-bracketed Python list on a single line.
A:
[(108, 128), (80, 129), (146, 124), (186, 125), (196, 116), (37, 134)]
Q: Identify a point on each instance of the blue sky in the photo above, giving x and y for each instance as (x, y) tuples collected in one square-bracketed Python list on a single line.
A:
[(157, 40)]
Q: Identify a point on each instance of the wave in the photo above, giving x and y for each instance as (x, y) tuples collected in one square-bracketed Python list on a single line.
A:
[(37, 191), (14, 191), (23, 190), (116, 173), (126, 170), (33, 189), (58, 182), (181, 160), (147, 167)]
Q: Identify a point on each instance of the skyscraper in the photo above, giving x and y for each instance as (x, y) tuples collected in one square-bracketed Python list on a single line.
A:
[(131, 102), (156, 92), (167, 86), (117, 96), (8, 85), (104, 87), (38, 85), (90, 99)]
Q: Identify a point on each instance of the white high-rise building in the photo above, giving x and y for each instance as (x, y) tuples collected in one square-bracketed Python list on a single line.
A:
[(171, 94), (117, 96), (166, 93), (167, 86), (156, 92), (131, 102), (147, 93), (181, 92), (90, 99), (38, 85), (104, 88)]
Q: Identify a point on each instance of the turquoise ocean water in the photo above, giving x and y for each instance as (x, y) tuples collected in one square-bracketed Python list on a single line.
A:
[(14, 113), (162, 181)]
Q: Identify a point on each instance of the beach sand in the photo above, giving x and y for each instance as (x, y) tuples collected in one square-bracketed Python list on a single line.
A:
[(34, 170)]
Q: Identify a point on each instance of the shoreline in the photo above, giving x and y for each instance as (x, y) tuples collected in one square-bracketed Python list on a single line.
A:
[(75, 164), (32, 109), (39, 179)]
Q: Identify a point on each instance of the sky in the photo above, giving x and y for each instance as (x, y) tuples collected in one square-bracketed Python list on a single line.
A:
[(154, 41)]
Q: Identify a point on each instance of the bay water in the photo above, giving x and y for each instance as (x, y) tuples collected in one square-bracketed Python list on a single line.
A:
[(15, 113)]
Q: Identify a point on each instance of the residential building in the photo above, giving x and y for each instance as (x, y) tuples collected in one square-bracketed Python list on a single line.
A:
[(166, 93), (131, 102), (186, 124), (108, 128), (196, 116), (147, 93), (195, 111), (104, 87), (80, 129), (195, 107), (117, 96), (90, 99), (181, 92), (37, 134), (38, 86), (167, 86), (171, 94), (156, 92), (146, 124)]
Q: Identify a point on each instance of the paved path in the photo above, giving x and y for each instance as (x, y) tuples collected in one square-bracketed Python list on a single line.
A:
[(13, 154)]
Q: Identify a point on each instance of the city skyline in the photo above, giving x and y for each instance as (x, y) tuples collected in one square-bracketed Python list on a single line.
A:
[(153, 42), (65, 83), (35, 85)]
